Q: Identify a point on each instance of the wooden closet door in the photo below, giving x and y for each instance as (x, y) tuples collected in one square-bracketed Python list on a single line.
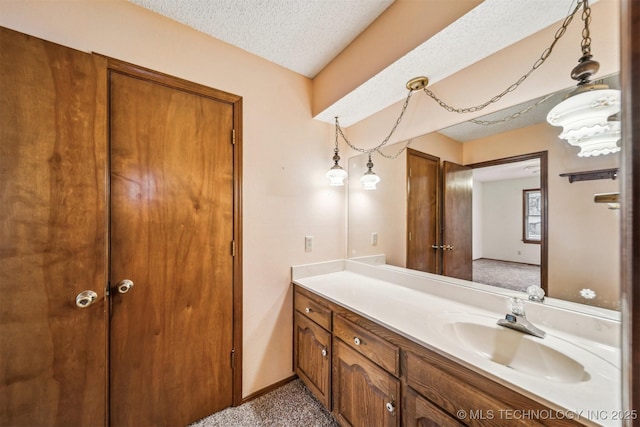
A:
[(457, 237), (171, 232), (52, 234), (423, 227)]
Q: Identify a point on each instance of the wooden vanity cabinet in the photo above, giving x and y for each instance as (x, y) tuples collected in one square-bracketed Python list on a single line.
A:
[(312, 346), (379, 378)]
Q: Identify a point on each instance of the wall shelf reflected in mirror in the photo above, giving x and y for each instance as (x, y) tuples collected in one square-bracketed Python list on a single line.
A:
[(591, 175)]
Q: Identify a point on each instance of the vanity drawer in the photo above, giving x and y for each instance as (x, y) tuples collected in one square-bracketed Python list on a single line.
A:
[(419, 412), (376, 349), (313, 310), (457, 394)]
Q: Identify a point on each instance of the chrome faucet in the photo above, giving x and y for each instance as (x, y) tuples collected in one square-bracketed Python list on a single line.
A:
[(518, 321)]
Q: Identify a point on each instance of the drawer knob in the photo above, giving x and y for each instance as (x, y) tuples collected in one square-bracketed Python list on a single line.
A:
[(307, 310), (324, 352), (356, 341), (391, 407)]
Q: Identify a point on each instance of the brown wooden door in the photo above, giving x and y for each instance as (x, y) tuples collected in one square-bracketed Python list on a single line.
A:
[(422, 211), (172, 205), (362, 390), (52, 234), (456, 221), (312, 357)]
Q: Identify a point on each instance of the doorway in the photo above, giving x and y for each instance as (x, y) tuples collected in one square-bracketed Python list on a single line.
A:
[(510, 248)]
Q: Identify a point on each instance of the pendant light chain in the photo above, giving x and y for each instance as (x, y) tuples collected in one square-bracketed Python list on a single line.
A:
[(397, 154), (586, 34), (586, 44), (514, 115), (560, 32), (384, 142)]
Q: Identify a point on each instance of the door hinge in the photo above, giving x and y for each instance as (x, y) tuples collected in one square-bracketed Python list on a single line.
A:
[(233, 136), (409, 235), (233, 248), (409, 172), (233, 358)]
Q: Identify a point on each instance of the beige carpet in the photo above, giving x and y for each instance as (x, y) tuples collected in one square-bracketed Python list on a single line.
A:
[(509, 275), (291, 405)]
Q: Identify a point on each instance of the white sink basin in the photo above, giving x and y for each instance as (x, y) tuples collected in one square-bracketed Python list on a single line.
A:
[(518, 351)]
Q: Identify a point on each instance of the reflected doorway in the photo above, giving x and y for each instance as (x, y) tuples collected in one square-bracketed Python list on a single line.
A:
[(504, 254)]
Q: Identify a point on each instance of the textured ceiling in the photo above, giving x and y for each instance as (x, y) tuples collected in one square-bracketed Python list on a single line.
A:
[(306, 35), (302, 36)]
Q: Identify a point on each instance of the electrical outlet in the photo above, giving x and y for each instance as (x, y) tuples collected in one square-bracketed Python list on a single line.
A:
[(374, 239), (308, 243)]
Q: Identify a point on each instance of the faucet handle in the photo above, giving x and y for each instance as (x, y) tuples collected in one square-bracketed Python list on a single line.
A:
[(536, 293), (516, 306)]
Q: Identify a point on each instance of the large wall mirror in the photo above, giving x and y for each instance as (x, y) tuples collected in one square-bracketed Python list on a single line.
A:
[(558, 238)]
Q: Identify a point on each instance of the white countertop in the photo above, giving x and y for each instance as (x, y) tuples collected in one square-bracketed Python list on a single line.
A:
[(421, 308)]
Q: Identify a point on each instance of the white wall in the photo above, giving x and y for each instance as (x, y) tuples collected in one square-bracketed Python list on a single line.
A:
[(286, 153), (501, 225)]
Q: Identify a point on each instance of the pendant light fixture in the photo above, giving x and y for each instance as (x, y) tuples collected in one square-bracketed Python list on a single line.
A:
[(336, 174), (586, 113), (369, 180)]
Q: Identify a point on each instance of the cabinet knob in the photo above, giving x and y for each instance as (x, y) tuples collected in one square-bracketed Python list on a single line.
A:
[(324, 352), (356, 341), (307, 310), (391, 407)]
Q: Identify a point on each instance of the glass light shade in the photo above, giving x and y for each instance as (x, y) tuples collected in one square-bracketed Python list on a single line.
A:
[(584, 121), (369, 180), (601, 143), (336, 175)]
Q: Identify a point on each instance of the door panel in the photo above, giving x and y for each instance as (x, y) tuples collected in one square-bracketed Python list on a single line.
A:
[(422, 211), (457, 221), (52, 233), (312, 357), (362, 390), (171, 233)]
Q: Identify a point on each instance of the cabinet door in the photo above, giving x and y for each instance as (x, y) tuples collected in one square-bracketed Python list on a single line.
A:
[(312, 357), (363, 393), (419, 412)]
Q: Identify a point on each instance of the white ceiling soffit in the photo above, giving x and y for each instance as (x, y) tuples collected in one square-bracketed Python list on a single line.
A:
[(486, 29), (302, 36)]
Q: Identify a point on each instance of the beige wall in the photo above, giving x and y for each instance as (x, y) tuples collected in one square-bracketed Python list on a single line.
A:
[(583, 236), (286, 153)]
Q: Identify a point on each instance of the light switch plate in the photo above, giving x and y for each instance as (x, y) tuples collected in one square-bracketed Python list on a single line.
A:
[(308, 243)]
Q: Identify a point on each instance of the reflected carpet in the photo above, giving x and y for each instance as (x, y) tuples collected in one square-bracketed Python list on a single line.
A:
[(506, 274)]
